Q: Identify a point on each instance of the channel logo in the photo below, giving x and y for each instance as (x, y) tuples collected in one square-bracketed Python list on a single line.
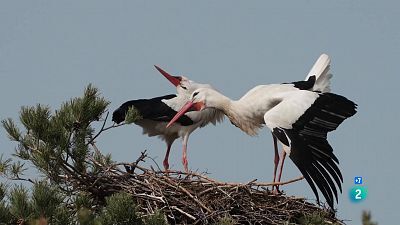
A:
[(358, 192)]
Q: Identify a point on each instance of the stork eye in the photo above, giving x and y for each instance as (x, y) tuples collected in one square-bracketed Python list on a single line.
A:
[(194, 94), (184, 87)]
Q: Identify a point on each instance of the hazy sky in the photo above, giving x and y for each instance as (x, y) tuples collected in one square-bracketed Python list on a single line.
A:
[(50, 50)]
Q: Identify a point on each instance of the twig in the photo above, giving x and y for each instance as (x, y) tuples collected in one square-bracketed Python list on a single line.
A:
[(194, 199), (183, 212), (21, 179), (140, 159), (252, 182), (279, 183), (104, 129), (101, 130), (150, 197)]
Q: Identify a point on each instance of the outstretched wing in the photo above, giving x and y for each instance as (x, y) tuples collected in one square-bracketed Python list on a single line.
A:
[(301, 121), (152, 109)]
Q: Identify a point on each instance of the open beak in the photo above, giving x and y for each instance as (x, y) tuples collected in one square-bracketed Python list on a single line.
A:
[(189, 106), (173, 79)]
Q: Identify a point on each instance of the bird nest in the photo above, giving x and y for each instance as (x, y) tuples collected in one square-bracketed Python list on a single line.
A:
[(194, 198)]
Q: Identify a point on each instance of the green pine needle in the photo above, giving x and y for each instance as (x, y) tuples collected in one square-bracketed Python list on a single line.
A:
[(132, 115), (226, 220), (17, 169), (19, 204), (157, 218), (120, 209), (36, 120), (4, 165), (13, 132), (45, 199), (3, 189), (5, 215)]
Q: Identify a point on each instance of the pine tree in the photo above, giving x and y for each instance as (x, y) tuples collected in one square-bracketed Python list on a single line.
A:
[(60, 144)]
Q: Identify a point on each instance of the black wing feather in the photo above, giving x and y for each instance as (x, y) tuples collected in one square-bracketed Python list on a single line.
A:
[(152, 109), (302, 157), (304, 84), (333, 170), (326, 176)]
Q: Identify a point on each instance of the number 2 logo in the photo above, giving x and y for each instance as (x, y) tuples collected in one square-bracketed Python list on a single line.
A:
[(358, 194)]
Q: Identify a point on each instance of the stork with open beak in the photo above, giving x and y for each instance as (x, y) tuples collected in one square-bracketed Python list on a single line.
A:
[(156, 112), (297, 116)]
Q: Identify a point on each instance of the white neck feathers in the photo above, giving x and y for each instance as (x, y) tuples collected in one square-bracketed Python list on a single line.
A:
[(238, 113)]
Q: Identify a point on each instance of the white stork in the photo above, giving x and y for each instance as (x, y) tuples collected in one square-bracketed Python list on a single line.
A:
[(156, 112), (297, 116)]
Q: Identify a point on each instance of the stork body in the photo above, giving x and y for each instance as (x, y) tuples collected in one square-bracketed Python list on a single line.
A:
[(157, 112), (299, 119)]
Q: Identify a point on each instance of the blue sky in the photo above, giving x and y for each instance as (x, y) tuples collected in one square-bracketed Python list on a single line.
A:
[(50, 50)]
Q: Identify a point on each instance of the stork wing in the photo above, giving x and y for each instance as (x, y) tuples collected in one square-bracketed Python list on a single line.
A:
[(153, 109), (301, 121)]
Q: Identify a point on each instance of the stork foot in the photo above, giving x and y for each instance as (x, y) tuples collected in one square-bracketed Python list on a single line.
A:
[(275, 190)]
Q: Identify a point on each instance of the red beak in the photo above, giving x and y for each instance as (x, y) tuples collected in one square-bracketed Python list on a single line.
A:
[(189, 106), (173, 79)]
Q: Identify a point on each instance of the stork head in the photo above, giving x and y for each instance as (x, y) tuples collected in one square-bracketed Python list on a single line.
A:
[(183, 85), (175, 80), (200, 99)]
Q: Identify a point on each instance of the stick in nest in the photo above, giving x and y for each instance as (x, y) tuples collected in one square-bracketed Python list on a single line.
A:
[(180, 195)]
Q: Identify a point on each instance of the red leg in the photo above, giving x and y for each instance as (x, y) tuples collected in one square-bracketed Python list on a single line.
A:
[(276, 159), (281, 167), (184, 160), (165, 162), (184, 153)]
